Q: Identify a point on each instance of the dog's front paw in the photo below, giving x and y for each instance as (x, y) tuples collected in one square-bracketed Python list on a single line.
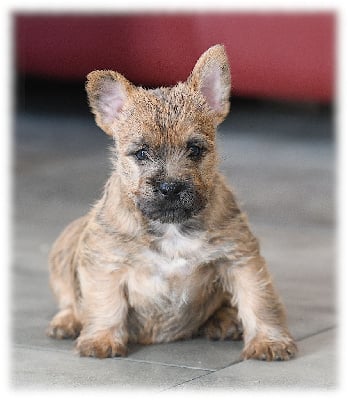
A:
[(268, 350), (100, 345)]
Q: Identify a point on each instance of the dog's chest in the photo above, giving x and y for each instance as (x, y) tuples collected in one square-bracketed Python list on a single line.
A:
[(166, 272), (174, 288), (176, 253)]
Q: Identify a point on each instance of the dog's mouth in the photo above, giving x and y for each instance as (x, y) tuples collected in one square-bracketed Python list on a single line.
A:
[(169, 215), (172, 211)]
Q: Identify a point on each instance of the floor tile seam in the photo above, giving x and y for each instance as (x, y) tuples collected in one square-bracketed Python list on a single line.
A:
[(130, 359), (239, 361), (204, 375), (186, 381), (39, 348), (324, 330), (209, 370)]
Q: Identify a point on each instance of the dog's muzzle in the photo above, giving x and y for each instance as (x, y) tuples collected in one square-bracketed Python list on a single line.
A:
[(172, 202)]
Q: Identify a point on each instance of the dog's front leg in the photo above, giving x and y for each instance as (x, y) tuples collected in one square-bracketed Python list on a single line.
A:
[(261, 312), (104, 314)]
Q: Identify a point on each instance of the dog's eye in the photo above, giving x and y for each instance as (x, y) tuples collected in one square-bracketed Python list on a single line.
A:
[(141, 154), (194, 151)]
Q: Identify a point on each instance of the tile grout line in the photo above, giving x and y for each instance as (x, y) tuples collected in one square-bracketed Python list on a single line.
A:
[(240, 361), (171, 365), (297, 340), (37, 348), (333, 327), (186, 381), (208, 370), (199, 377)]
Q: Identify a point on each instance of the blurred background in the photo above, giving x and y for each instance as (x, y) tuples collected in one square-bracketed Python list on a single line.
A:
[(277, 149), (272, 55)]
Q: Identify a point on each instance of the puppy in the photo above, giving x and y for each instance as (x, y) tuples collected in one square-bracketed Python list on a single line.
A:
[(166, 253)]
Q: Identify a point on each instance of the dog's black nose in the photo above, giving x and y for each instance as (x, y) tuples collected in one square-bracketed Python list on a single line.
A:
[(171, 189)]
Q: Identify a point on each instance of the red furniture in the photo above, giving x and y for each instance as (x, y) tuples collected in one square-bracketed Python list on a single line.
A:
[(273, 55)]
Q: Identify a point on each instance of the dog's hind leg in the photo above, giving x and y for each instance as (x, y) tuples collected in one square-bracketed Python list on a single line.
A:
[(64, 282), (64, 325), (223, 324)]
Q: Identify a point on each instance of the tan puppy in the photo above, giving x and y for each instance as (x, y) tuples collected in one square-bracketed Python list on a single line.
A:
[(166, 253)]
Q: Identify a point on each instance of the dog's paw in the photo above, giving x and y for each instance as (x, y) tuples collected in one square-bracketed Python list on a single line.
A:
[(100, 345), (269, 350), (223, 324), (64, 325)]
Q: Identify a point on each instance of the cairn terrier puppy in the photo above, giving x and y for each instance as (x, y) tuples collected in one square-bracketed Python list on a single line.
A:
[(166, 253)]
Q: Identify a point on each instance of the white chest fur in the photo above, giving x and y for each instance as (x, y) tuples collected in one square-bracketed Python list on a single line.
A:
[(173, 256), (174, 250), (164, 273)]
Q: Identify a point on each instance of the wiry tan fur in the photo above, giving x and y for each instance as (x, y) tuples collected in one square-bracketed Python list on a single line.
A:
[(121, 276)]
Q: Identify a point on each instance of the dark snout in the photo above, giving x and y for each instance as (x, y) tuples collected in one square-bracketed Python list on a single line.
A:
[(172, 201), (171, 189)]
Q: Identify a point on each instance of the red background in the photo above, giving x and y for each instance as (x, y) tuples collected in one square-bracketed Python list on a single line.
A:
[(274, 55)]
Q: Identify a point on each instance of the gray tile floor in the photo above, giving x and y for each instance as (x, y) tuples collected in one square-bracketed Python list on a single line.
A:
[(280, 162)]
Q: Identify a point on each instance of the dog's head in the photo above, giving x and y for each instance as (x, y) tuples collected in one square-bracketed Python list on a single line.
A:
[(165, 138)]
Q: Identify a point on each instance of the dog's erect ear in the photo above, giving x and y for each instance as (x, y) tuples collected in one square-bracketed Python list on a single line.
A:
[(108, 92), (211, 76)]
